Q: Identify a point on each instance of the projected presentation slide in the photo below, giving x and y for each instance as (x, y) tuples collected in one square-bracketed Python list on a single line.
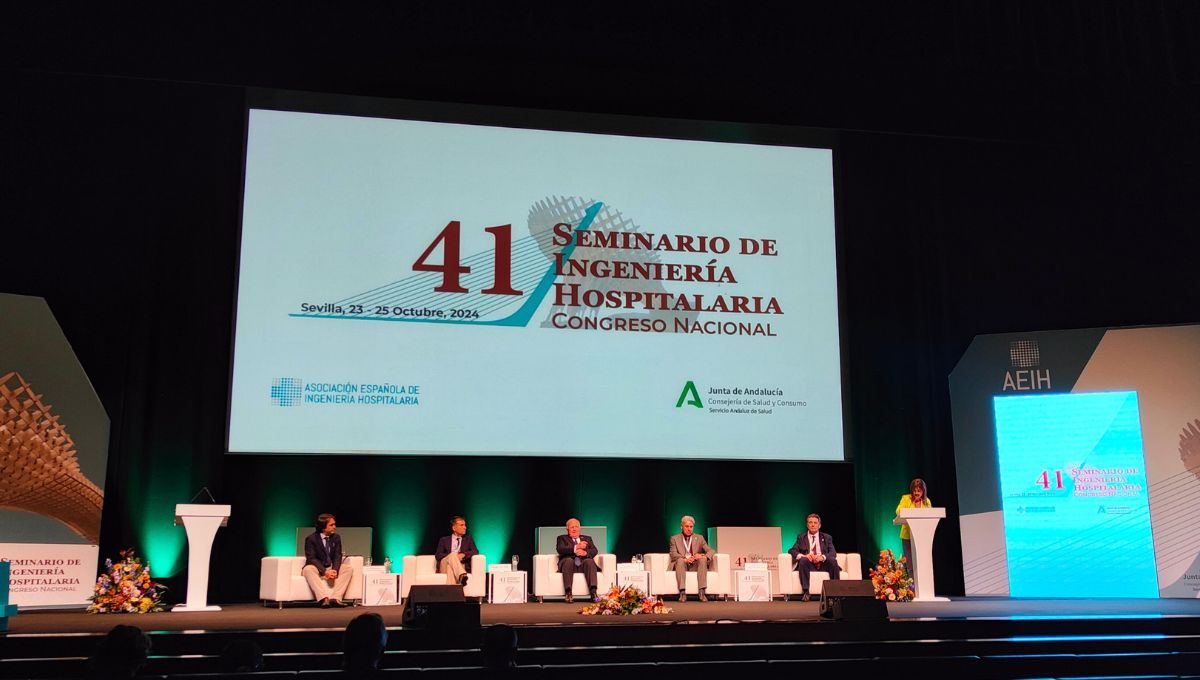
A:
[(413, 287), (1075, 497)]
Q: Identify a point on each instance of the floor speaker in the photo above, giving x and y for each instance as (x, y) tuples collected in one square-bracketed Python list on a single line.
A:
[(844, 600), (439, 607)]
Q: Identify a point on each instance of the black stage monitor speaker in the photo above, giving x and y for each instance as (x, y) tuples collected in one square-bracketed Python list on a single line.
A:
[(440, 607), (851, 600)]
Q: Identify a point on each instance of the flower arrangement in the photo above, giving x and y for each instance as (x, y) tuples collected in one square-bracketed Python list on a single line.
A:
[(126, 587), (891, 578), (626, 601)]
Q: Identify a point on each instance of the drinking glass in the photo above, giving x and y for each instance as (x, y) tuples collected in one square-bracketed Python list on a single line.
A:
[(515, 560)]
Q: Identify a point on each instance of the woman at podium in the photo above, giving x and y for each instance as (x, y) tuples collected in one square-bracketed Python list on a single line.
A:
[(917, 497)]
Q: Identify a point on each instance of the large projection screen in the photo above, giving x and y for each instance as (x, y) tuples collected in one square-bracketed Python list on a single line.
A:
[(418, 287)]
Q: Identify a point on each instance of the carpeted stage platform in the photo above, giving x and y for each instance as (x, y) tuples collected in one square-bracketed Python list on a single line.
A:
[(966, 637), (303, 617)]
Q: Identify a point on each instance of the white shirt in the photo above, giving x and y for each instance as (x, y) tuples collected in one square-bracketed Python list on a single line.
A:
[(687, 544), (455, 543), (814, 544)]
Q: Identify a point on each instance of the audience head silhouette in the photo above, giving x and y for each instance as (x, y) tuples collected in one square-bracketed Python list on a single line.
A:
[(241, 656), (499, 647), (121, 653), (363, 644)]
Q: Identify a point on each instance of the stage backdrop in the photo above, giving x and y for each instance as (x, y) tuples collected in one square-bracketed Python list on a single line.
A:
[(1078, 457), (53, 456)]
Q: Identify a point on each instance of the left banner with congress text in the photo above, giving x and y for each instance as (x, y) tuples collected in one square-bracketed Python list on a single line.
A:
[(53, 457)]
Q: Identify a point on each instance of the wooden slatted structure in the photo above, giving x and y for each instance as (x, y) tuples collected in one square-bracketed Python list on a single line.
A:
[(39, 470)]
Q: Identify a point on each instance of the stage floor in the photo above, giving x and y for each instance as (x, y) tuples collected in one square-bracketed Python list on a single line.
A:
[(302, 617), (964, 637)]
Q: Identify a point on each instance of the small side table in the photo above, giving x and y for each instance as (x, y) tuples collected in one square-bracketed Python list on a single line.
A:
[(508, 587), (752, 585), (380, 587), (631, 574)]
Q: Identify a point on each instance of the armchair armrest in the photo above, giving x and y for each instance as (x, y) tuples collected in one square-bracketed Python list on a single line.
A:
[(275, 577), (721, 583), (854, 566), (607, 563), (785, 562), (722, 562), (545, 564), (657, 561), (408, 566), (479, 565)]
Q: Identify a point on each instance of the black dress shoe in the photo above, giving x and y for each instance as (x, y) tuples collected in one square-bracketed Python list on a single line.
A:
[(594, 597), (569, 598), (805, 597), (337, 604), (325, 603)]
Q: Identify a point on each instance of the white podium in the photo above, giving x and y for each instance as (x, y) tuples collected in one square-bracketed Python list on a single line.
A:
[(201, 522), (922, 524)]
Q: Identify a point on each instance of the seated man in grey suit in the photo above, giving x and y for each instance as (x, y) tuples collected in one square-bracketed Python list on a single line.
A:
[(690, 552), (814, 551), (323, 563), (576, 553)]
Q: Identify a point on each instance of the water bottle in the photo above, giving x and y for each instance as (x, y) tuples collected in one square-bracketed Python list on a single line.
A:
[(515, 560), (387, 565)]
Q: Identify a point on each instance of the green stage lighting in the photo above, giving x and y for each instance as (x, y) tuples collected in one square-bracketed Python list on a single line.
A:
[(493, 492), (401, 519)]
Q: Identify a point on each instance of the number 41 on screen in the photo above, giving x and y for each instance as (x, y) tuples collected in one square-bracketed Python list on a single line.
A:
[(1044, 479), (452, 267)]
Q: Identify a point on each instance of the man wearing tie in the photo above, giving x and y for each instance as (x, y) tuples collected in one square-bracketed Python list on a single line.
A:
[(454, 552), (814, 551), (576, 553), (690, 552), (323, 563)]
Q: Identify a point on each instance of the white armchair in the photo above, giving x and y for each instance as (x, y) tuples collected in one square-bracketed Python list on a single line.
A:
[(547, 579), (280, 580), (663, 582), (789, 578), (421, 570)]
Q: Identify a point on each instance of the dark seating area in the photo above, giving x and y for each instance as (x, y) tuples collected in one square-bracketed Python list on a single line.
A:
[(1174, 665)]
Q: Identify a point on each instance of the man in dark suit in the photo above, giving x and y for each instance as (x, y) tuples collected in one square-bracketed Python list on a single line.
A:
[(323, 563), (454, 552), (576, 553), (814, 551)]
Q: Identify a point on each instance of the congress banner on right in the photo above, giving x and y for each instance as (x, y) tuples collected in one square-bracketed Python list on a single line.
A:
[(1078, 462)]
